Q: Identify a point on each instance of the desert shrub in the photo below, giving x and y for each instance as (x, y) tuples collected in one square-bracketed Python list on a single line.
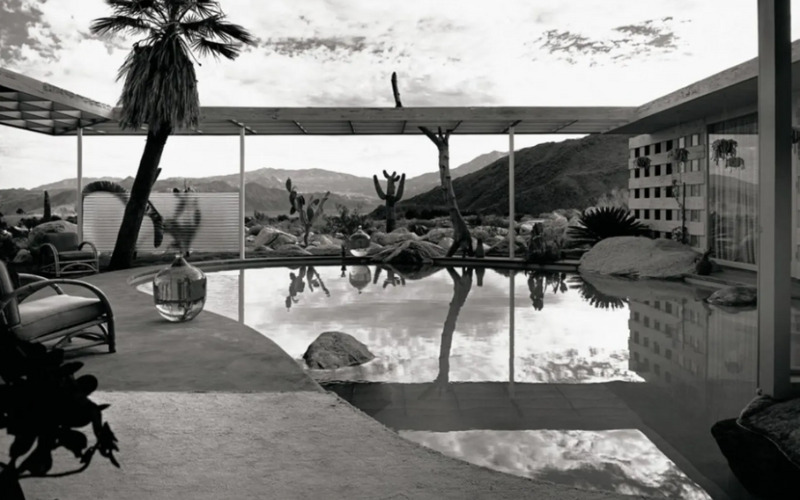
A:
[(596, 224), (346, 221), (494, 220)]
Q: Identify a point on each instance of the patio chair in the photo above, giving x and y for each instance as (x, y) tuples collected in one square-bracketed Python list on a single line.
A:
[(55, 320), (60, 254)]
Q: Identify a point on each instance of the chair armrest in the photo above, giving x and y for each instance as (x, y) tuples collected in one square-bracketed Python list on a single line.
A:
[(32, 278), (52, 249), (94, 248), (34, 287)]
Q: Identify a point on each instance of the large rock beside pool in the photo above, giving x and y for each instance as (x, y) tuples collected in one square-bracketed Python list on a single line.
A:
[(326, 249), (734, 296), (396, 236), (333, 350), (639, 257), (500, 249), (438, 234), (409, 252), (272, 237)]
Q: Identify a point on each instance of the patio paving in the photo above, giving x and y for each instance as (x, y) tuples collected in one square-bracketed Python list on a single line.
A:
[(213, 409)]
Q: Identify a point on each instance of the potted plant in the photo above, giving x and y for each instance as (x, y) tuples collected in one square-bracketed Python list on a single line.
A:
[(680, 155), (724, 149), (643, 162)]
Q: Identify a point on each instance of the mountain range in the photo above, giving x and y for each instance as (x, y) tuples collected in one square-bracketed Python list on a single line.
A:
[(567, 174)]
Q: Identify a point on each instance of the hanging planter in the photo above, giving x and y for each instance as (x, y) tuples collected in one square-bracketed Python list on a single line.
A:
[(680, 155), (735, 162), (724, 149), (643, 162), (796, 141)]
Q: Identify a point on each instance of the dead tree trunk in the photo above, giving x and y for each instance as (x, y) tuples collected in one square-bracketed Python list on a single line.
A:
[(462, 239)]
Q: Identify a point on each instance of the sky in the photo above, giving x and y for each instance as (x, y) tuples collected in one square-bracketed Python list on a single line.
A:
[(342, 53)]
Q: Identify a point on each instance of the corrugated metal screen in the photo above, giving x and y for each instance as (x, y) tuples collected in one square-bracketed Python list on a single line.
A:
[(207, 222)]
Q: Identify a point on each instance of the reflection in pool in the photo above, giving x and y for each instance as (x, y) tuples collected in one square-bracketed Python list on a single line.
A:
[(605, 383)]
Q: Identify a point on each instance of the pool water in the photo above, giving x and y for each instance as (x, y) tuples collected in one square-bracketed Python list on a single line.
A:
[(603, 384)]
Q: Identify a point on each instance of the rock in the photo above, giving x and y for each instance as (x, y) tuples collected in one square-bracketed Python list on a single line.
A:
[(374, 248), (409, 253), (254, 229), (272, 237), (639, 257), (396, 236), (264, 250), (328, 249), (446, 243), (290, 251), (333, 350), (23, 257), (541, 248), (35, 237), (734, 296), (436, 235), (320, 239), (500, 249)]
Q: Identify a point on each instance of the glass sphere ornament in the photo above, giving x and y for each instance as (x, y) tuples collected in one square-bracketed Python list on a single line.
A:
[(359, 243), (179, 291), (360, 277)]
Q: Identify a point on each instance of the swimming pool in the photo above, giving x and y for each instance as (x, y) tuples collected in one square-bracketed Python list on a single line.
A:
[(606, 384)]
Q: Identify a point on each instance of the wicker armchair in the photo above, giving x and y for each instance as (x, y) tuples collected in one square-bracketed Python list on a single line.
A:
[(60, 254)]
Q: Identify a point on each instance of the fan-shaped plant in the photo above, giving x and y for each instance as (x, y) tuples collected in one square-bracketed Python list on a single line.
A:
[(643, 162), (595, 297), (596, 224), (722, 149)]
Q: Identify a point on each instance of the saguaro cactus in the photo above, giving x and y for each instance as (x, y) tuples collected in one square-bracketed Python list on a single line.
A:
[(309, 213), (47, 211), (391, 197)]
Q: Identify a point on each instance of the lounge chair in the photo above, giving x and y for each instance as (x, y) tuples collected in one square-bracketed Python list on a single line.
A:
[(57, 319), (60, 254)]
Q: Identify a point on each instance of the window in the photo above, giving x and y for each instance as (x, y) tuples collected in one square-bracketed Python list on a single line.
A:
[(695, 139), (656, 192), (657, 326), (646, 213), (636, 173), (647, 150), (657, 214), (658, 170), (646, 342), (636, 153), (636, 192), (668, 193), (657, 369), (668, 213), (682, 142), (636, 213), (657, 148), (647, 172), (669, 169), (656, 348), (669, 145), (657, 304), (647, 192), (636, 337), (668, 307), (636, 316), (668, 354)]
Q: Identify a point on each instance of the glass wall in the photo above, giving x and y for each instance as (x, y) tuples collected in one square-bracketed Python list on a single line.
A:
[(733, 188)]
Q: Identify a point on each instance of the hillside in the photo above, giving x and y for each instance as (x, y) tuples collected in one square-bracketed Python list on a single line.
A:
[(421, 183), (567, 174)]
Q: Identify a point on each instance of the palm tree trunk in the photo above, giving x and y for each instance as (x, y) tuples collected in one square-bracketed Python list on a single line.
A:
[(461, 236), (140, 194)]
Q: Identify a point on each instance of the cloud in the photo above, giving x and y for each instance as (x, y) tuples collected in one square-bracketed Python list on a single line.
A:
[(25, 33), (639, 40), (324, 48)]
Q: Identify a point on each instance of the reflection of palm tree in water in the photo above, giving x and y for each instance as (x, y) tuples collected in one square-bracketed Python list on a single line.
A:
[(297, 284), (595, 297), (461, 287), (539, 281)]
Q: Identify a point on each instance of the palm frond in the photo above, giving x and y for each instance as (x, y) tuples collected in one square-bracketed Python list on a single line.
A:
[(117, 24), (102, 187), (596, 224), (216, 49), (229, 32), (131, 7)]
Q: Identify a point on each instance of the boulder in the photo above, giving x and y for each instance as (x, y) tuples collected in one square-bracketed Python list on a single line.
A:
[(23, 257), (267, 251), (436, 235), (327, 249), (734, 296), (500, 249), (409, 253), (396, 236), (446, 243), (320, 239), (272, 237), (35, 237), (333, 350), (254, 229), (290, 251), (639, 257)]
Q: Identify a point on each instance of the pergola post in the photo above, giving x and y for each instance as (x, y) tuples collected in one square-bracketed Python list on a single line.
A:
[(511, 313), (241, 296), (241, 192), (775, 197), (512, 241), (79, 185)]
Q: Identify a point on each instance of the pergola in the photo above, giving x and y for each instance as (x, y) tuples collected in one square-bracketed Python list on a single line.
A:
[(33, 105)]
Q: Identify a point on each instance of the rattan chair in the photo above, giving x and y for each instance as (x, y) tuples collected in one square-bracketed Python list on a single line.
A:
[(58, 320), (60, 254)]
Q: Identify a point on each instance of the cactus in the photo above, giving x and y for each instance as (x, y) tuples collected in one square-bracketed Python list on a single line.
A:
[(47, 213), (309, 212), (391, 197)]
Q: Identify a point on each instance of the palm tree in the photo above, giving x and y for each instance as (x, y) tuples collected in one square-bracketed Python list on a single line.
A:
[(160, 88)]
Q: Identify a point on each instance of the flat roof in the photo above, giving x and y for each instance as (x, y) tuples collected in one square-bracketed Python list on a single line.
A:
[(729, 90), (37, 106)]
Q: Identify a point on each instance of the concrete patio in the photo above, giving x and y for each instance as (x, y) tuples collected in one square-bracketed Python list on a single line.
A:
[(213, 409)]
